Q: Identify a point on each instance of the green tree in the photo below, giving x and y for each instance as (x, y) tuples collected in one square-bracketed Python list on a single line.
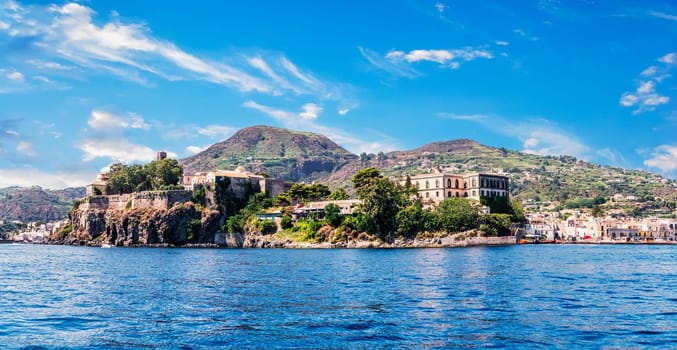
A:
[(332, 214), (458, 214), (339, 194), (364, 176), (381, 201), (518, 210), (411, 220)]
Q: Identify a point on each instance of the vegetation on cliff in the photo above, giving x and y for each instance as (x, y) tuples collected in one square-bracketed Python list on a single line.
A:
[(164, 174)]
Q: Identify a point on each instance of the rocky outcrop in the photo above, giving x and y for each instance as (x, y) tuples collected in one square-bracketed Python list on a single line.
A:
[(182, 224)]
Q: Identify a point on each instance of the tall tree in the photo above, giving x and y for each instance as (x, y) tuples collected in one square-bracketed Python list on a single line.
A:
[(364, 176)]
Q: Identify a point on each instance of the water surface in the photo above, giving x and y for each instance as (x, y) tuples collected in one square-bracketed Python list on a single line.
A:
[(520, 296)]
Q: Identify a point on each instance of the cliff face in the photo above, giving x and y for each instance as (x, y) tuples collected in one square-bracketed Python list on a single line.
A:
[(179, 225)]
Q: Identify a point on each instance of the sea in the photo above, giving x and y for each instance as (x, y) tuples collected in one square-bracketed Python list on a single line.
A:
[(528, 296)]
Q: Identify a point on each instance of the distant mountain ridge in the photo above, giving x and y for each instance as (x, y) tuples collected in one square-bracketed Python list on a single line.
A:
[(29, 204), (309, 157)]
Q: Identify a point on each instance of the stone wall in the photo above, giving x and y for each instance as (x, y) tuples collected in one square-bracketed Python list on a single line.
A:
[(140, 200)]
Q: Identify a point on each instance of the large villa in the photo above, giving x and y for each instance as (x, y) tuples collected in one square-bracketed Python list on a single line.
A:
[(438, 185)]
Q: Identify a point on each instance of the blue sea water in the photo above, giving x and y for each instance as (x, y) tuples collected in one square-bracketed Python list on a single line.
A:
[(564, 296)]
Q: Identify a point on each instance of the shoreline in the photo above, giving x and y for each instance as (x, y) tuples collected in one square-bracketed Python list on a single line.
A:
[(257, 242)]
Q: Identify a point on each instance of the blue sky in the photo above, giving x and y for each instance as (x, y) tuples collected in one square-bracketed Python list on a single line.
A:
[(85, 84)]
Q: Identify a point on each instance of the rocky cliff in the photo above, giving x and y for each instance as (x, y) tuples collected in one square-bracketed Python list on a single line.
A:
[(180, 225)]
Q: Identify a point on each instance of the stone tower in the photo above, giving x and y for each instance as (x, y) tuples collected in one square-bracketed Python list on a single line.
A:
[(161, 155)]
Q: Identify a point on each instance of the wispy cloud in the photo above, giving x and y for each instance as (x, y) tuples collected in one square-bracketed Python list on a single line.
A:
[(68, 36), (216, 131), (538, 136), (292, 120), (663, 15), (400, 63), (664, 157), (377, 60), (645, 98), (440, 7)]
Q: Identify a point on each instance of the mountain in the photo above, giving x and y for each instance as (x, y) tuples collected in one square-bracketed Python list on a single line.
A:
[(281, 153), (303, 156), (37, 204)]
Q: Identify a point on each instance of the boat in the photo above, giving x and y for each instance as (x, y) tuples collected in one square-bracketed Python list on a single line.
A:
[(106, 245)]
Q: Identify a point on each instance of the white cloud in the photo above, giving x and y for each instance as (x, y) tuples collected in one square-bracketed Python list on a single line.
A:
[(645, 98), (393, 67), (119, 150), (27, 177), (441, 7), (105, 120), (399, 63), (628, 99), (292, 121), (216, 131), (502, 43), (651, 70), (26, 148), (343, 111), (310, 111), (664, 157), (440, 56), (191, 150), (16, 76), (530, 143), (670, 58), (520, 32)]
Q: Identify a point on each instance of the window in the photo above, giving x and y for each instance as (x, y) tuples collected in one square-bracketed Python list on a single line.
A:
[(449, 183), (474, 193), (427, 185), (457, 195), (437, 183), (474, 182), (437, 193), (465, 185), (449, 194), (465, 194), (427, 195), (456, 183)]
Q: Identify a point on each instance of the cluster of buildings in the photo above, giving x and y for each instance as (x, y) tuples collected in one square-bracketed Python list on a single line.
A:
[(576, 226)]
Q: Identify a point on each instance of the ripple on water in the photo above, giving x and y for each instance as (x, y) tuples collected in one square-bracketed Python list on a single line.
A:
[(509, 297)]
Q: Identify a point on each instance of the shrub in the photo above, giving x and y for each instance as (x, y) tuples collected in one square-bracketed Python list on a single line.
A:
[(266, 226), (286, 222)]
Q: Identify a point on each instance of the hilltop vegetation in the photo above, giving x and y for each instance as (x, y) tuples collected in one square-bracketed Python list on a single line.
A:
[(281, 153), (539, 181)]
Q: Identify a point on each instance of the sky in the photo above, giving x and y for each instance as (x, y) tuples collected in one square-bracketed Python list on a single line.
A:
[(87, 84)]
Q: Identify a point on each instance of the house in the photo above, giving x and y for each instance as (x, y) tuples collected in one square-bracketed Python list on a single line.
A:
[(346, 207), (438, 185), (239, 181)]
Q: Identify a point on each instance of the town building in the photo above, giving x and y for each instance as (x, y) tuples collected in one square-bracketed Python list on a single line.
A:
[(438, 185), (240, 182)]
